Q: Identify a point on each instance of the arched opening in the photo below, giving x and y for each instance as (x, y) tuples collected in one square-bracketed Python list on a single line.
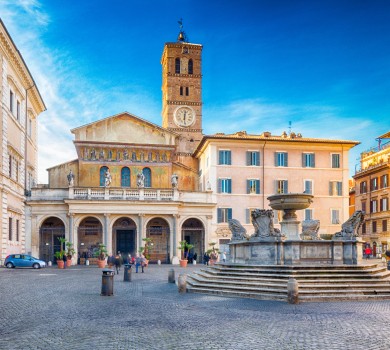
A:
[(125, 177), (148, 177), (192, 231), (177, 65), (103, 170), (158, 231), (51, 229), (190, 67), (124, 233), (90, 234)]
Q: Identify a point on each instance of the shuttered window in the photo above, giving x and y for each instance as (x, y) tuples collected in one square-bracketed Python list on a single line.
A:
[(252, 158), (281, 159), (253, 186), (224, 214)]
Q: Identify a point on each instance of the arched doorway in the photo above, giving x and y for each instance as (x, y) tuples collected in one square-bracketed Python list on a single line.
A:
[(158, 231), (51, 229), (193, 232), (124, 233), (90, 234)]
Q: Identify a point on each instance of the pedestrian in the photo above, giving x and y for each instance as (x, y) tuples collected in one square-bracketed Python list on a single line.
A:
[(367, 252), (206, 258), (64, 258), (195, 256), (110, 261), (138, 261), (143, 262), (117, 263), (223, 256)]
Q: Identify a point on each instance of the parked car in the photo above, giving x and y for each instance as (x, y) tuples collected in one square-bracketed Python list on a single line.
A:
[(23, 260)]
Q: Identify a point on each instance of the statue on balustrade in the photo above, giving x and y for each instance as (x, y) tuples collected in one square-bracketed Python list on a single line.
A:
[(140, 180), (174, 180), (107, 178), (70, 178)]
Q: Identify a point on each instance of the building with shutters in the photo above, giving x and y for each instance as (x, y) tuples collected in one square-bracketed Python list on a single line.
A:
[(21, 103), (372, 194)]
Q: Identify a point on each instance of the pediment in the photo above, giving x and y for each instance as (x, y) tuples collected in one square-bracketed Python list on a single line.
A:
[(124, 128)]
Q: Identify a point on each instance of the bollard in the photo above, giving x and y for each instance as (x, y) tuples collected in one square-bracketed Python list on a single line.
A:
[(292, 291), (107, 282), (127, 273), (49, 263), (194, 262), (171, 276), (182, 283), (159, 262)]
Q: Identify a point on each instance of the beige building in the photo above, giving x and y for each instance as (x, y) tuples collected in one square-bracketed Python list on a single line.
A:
[(133, 179), (21, 104), (243, 170), (372, 194)]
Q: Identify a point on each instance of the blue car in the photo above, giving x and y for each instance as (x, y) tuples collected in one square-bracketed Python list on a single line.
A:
[(23, 260)]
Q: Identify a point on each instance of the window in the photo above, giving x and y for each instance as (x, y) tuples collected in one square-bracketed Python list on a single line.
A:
[(29, 127), (10, 229), (374, 227), (181, 91), (190, 66), (10, 166), (384, 181), (364, 230), (308, 160), (148, 177), (224, 214), (248, 215), (18, 110), (103, 170), (224, 185), (17, 230), (225, 158), (373, 206), (335, 188), (308, 187), (363, 187), (335, 216), (187, 91), (308, 214), (384, 225), (281, 159), (364, 206), (374, 184), (125, 177), (384, 202), (335, 160), (177, 65), (281, 186), (11, 101), (253, 186), (253, 158)]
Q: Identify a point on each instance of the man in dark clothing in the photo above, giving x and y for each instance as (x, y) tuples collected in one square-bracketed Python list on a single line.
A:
[(117, 263)]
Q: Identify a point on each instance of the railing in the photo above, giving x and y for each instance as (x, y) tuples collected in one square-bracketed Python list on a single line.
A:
[(120, 194)]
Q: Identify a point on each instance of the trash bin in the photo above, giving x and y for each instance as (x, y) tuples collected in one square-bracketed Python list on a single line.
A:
[(107, 282), (127, 273)]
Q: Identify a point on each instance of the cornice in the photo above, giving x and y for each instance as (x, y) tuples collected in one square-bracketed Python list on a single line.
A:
[(177, 75), (188, 103)]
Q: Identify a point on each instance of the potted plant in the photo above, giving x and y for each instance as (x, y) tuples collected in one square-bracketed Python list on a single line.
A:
[(213, 253), (69, 253), (60, 255), (101, 255), (185, 248)]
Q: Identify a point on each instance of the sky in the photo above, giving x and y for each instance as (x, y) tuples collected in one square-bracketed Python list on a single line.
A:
[(323, 65)]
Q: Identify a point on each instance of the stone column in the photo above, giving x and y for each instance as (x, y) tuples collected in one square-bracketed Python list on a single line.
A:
[(175, 238), (106, 233), (140, 232), (71, 229)]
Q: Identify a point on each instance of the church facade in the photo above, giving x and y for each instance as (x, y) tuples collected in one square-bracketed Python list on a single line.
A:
[(133, 180)]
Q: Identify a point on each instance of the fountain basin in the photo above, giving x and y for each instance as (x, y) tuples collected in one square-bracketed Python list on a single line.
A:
[(290, 201)]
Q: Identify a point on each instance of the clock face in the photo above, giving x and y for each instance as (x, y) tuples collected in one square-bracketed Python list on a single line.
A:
[(184, 116)]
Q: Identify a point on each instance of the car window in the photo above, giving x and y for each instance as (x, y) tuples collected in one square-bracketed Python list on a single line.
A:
[(17, 256)]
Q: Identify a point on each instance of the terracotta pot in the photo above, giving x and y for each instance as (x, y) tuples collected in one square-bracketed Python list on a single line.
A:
[(60, 264), (69, 263), (101, 263), (212, 262), (183, 263)]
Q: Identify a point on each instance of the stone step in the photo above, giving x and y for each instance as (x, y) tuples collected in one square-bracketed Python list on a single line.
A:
[(296, 267), (349, 297)]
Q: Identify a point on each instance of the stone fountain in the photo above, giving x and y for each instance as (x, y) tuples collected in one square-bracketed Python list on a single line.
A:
[(269, 246)]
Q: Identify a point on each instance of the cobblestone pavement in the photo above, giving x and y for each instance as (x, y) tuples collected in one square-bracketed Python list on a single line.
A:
[(63, 309)]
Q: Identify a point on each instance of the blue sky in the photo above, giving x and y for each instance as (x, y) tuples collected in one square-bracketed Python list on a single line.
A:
[(323, 65)]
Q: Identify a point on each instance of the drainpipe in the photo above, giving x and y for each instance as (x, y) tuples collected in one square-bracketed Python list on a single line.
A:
[(264, 173)]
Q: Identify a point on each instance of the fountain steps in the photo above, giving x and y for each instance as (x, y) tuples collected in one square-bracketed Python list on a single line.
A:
[(268, 283)]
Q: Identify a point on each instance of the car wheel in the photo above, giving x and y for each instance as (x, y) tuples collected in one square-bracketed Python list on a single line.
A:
[(9, 265), (36, 266)]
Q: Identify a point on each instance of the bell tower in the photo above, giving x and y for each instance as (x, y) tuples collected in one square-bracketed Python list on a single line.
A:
[(182, 92)]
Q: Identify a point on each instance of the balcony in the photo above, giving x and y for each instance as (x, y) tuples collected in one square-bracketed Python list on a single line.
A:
[(119, 194)]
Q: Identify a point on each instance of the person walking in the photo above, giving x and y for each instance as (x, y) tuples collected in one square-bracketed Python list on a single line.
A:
[(206, 258), (143, 262), (223, 256), (117, 263), (138, 261)]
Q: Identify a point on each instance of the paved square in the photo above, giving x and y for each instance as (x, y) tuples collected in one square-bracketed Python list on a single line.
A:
[(62, 309)]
